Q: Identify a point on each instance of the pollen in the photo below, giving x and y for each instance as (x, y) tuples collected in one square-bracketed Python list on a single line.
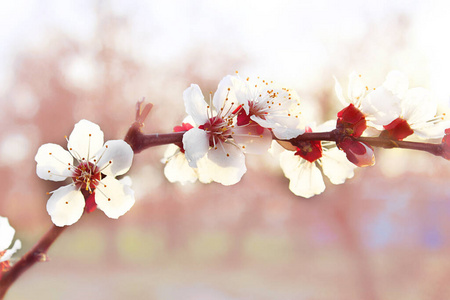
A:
[(109, 199), (67, 202)]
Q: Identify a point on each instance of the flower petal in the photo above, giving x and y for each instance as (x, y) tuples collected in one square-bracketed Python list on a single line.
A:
[(115, 158), (305, 178), (85, 140), (242, 91), (6, 233), (382, 105), (251, 139), (10, 252), (195, 144), (53, 162), (177, 168), (224, 100), (418, 106), (340, 93), (397, 83), (226, 164), (204, 170), (113, 197), (336, 166), (356, 87), (66, 205), (195, 104)]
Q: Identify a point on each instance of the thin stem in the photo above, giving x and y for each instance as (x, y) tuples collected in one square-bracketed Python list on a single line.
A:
[(37, 254)]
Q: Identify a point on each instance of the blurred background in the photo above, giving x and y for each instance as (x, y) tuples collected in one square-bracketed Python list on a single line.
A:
[(385, 234)]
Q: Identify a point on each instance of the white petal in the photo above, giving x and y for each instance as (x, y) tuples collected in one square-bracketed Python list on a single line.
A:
[(6, 233), (115, 158), (177, 168), (85, 140), (126, 180), (195, 104), (305, 178), (250, 141), (113, 197), (418, 106), (204, 170), (397, 83), (287, 133), (224, 99), (283, 127), (195, 144), (66, 205), (356, 87), (242, 91), (53, 162), (336, 166), (226, 164), (9, 253), (340, 93), (327, 126), (382, 105), (431, 130)]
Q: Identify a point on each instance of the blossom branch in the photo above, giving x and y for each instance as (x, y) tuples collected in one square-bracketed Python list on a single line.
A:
[(336, 136), (37, 254), (139, 141)]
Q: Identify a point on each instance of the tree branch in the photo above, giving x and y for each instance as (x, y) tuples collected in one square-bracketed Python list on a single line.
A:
[(37, 254)]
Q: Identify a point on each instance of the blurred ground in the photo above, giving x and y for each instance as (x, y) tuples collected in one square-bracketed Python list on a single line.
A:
[(382, 235)]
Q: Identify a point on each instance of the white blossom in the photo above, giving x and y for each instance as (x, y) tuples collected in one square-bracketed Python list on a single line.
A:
[(6, 237), (92, 166)]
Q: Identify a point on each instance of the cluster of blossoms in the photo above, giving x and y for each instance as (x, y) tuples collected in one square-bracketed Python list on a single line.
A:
[(245, 115), (241, 118), (6, 238)]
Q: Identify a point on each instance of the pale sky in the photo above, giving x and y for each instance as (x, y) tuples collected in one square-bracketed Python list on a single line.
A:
[(287, 40)]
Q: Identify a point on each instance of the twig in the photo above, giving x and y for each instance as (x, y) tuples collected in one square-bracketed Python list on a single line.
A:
[(37, 254)]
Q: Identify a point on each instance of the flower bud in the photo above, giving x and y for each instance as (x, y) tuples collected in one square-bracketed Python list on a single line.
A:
[(357, 152)]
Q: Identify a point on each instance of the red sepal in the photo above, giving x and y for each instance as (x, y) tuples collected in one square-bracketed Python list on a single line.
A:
[(398, 129), (309, 150), (90, 205), (359, 153), (351, 121)]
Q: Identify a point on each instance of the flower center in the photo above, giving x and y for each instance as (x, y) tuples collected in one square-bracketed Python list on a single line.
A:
[(217, 128), (86, 176), (309, 150)]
